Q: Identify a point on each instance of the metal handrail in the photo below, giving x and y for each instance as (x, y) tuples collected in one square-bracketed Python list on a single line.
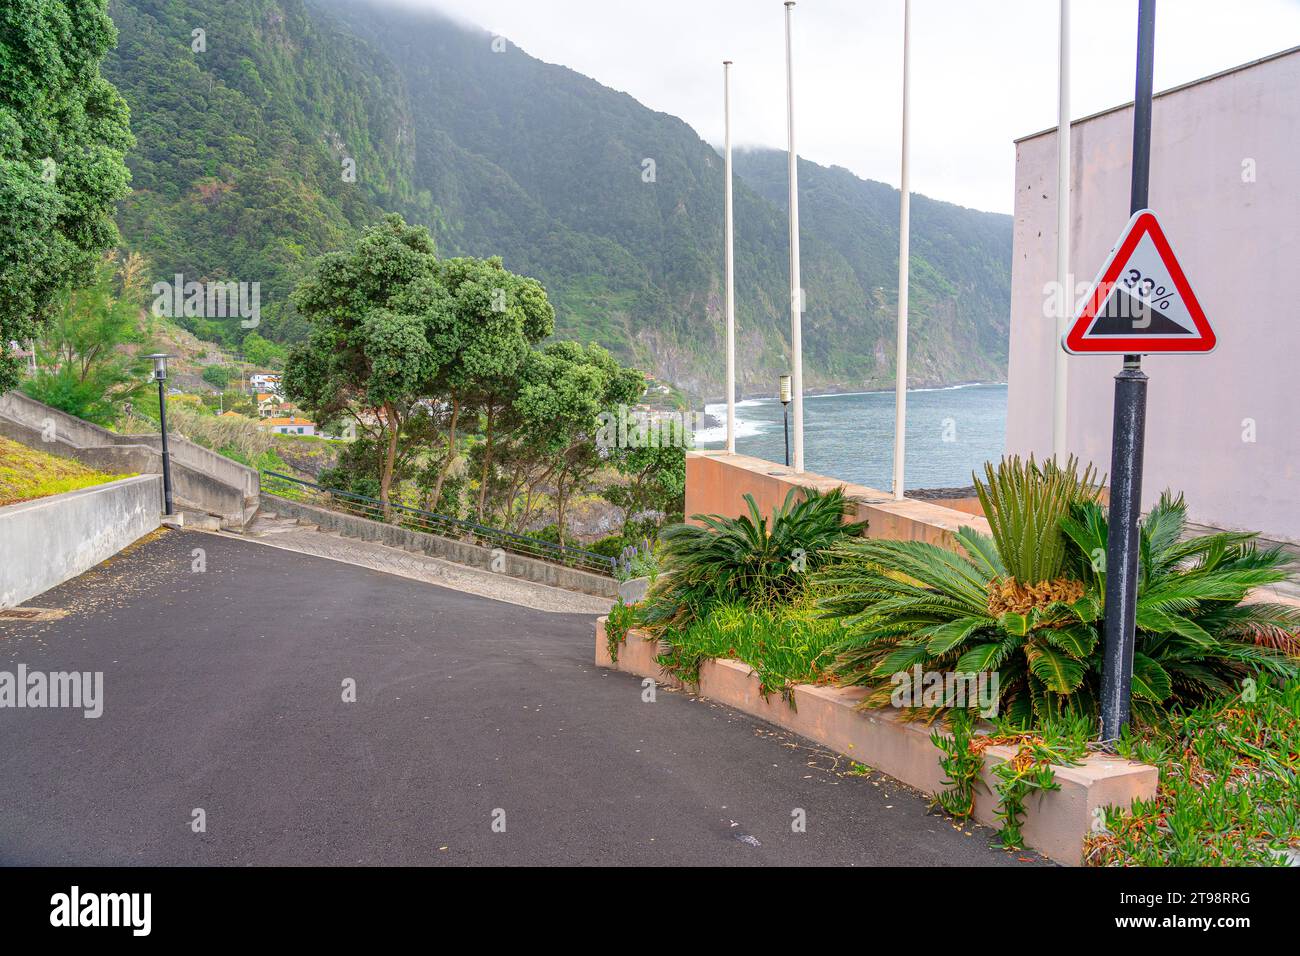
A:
[(442, 524)]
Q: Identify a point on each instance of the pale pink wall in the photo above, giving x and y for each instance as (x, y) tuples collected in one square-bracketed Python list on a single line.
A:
[(1239, 244)]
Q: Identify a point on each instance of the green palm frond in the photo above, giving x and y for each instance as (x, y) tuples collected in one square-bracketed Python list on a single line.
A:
[(1163, 527), (1150, 680), (1085, 526), (1024, 503), (1059, 672), (751, 559), (982, 551), (873, 565), (944, 637), (1077, 640), (981, 657)]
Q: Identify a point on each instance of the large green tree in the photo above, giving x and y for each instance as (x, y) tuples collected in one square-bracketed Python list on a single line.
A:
[(495, 319), (63, 133), (375, 312), (653, 480), (565, 388)]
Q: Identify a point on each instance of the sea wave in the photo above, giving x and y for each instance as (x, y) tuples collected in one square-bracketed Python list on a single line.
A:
[(716, 430)]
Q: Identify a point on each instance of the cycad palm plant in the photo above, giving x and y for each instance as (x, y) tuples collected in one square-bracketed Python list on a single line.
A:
[(1197, 635), (913, 603), (746, 559), (1024, 503)]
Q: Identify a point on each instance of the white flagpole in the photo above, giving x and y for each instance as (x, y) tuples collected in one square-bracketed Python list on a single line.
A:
[(1065, 295), (728, 229), (904, 244), (796, 289)]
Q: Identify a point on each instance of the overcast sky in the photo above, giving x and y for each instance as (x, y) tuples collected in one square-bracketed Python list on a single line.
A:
[(983, 71)]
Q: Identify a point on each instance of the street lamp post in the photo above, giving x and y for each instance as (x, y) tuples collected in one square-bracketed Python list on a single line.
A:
[(160, 376), (785, 417)]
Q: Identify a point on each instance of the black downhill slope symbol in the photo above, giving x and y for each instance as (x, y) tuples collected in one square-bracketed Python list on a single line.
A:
[(1123, 314)]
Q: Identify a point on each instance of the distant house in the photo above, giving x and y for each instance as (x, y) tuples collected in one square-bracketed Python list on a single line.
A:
[(288, 426), (264, 382)]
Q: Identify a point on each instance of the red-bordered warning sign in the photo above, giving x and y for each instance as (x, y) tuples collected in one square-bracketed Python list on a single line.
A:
[(1141, 301)]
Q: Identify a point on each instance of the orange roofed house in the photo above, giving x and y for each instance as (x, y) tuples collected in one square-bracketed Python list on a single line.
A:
[(289, 426)]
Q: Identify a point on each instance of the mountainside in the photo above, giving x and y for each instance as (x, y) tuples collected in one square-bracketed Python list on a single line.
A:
[(237, 171), (615, 207), (960, 280)]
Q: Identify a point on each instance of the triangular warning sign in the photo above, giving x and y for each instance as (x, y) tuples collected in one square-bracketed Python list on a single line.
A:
[(1141, 301)]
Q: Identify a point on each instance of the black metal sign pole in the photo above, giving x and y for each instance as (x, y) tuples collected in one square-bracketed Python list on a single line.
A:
[(1128, 437)]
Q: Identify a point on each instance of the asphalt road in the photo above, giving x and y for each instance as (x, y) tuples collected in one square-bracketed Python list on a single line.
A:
[(223, 692)]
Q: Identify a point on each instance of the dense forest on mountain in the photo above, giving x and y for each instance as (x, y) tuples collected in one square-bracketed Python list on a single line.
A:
[(249, 133)]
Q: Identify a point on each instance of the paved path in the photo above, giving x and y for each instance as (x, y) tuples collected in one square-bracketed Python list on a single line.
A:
[(287, 533), (223, 692)]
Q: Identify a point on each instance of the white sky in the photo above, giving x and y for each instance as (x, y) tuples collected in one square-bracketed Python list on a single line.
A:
[(983, 71)]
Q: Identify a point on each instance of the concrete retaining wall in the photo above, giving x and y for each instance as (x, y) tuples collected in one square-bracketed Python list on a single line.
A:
[(203, 460), (202, 480), (1055, 823), (54, 425), (47, 541), (717, 482), (530, 569)]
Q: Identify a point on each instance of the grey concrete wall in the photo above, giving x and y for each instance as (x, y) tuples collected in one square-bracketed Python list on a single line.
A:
[(202, 480), (518, 566), (47, 541), (205, 460), (192, 490), (53, 424), (1226, 184), (634, 590)]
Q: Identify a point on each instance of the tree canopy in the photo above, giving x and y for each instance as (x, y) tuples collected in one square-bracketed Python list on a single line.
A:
[(63, 134), (375, 312)]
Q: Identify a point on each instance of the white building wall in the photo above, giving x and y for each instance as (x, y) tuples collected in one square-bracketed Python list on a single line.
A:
[(1239, 243)]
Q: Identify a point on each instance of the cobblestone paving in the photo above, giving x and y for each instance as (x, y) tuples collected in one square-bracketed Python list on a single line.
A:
[(306, 539)]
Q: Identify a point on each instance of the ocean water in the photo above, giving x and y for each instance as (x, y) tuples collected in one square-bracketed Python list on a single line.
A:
[(951, 432)]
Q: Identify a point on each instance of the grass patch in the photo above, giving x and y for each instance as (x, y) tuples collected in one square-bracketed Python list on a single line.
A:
[(27, 474), (1229, 775), (785, 644)]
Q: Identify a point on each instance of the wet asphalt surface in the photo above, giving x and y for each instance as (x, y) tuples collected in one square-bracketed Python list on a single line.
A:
[(482, 733)]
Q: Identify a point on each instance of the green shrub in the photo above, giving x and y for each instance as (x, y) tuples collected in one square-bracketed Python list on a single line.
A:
[(741, 560), (911, 603), (621, 619), (610, 547), (218, 376), (638, 561), (551, 534), (786, 644)]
